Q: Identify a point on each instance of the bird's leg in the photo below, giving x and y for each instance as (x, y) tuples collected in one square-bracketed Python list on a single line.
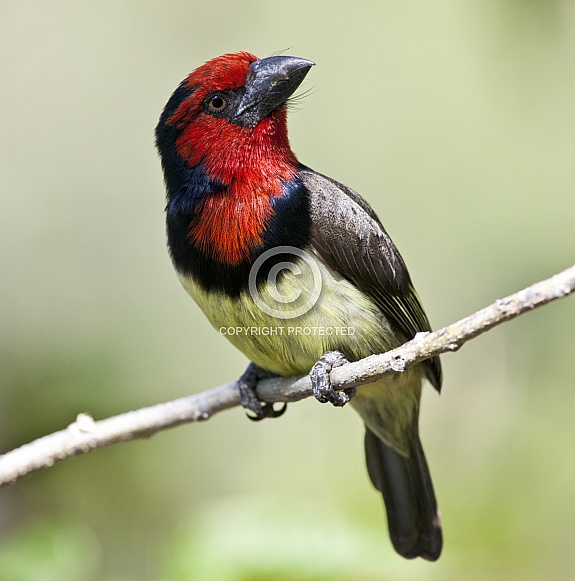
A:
[(321, 383), (249, 398)]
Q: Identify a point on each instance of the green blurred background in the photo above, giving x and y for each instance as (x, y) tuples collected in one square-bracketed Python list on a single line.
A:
[(456, 120)]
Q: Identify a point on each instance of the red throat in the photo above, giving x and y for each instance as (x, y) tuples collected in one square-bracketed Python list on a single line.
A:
[(252, 163)]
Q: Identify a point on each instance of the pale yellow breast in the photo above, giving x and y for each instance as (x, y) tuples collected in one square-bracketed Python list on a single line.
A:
[(292, 322)]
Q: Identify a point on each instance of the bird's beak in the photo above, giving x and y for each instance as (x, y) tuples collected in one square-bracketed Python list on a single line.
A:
[(269, 83)]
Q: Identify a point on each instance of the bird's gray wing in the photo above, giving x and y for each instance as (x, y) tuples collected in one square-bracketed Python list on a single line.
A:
[(349, 237)]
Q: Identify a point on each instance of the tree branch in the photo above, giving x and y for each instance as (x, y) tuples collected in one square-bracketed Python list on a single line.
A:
[(85, 434)]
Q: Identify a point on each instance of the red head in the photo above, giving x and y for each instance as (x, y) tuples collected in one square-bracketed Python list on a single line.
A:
[(234, 117)]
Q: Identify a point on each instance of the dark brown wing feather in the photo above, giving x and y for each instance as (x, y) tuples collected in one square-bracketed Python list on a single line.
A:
[(348, 235)]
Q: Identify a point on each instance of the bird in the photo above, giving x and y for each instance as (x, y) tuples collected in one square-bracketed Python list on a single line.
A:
[(296, 269)]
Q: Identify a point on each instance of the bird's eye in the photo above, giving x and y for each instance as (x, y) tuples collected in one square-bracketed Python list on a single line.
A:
[(216, 103)]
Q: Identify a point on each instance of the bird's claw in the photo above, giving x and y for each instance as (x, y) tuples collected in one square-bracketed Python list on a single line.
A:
[(321, 385), (249, 399), (259, 410)]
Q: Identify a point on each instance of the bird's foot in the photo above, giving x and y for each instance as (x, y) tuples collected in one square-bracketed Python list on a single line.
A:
[(321, 385), (249, 398)]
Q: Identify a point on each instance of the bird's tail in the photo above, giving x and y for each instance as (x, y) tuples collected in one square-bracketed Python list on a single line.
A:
[(412, 515)]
